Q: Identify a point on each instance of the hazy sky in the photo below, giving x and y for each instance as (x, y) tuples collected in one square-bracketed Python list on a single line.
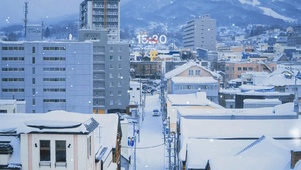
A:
[(12, 11)]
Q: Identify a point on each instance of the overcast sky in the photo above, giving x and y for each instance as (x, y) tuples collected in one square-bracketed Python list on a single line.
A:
[(12, 11)]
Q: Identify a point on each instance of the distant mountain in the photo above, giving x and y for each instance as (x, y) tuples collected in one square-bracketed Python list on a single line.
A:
[(226, 12)]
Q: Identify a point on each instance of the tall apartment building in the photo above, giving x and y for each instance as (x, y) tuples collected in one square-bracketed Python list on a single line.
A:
[(111, 72), (47, 75), (200, 33), (101, 14)]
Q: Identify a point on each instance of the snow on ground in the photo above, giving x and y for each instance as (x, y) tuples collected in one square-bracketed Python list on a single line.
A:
[(150, 150), (250, 2), (266, 11), (270, 12)]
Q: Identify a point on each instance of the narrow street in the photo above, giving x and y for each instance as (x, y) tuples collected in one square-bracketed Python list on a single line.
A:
[(150, 150)]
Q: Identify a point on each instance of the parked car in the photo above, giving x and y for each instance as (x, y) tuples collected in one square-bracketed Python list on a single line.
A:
[(156, 112)]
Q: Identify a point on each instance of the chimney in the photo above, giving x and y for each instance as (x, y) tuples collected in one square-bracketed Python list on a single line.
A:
[(295, 157)]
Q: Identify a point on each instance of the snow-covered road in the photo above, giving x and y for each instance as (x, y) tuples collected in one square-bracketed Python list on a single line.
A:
[(150, 150)]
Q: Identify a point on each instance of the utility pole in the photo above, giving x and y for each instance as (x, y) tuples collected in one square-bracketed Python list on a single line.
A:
[(169, 145), (135, 144)]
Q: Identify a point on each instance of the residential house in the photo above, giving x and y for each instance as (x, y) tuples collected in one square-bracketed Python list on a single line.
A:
[(60, 140), (188, 101), (284, 80), (191, 78), (204, 142)]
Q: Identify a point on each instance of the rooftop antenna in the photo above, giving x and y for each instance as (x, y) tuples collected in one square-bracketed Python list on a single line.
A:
[(25, 19)]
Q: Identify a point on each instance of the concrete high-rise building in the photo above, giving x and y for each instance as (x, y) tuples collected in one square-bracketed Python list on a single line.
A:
[(200, 33), (48, 75), (101, 14), (111, 72)]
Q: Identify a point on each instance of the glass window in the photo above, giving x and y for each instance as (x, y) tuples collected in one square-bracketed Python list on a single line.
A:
[(45, 150), (239, 68), (197, 72), (60, 151), (190, 72)]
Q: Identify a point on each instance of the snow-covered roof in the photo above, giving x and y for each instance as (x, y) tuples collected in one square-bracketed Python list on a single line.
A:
[(199, 151), (190, 80), (57, 122), (7, 102), (240, 129), (281, 77), (194, 99), (278, 110), (252, 87), (186, 66), (262, 101), (264, 153)]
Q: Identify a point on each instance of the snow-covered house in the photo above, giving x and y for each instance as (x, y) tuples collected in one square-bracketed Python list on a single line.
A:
[(284, 80), (206, 142), (191, 78), (60, 140), (177, 101), (263, 153)]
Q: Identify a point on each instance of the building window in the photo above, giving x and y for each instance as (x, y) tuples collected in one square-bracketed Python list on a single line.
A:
[(119, 66), (111, 102), (111, 49), (111, 75), (119, 93), (250, 69), (190, 72), (244, 68), (198, 72), (119, 84), (60, 151), (239, 68), (119, 57), (111, 58), (44, 150), (111, 93), (111, 84)]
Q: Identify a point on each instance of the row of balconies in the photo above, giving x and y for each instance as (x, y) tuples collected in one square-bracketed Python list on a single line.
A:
[(108, 13), (108, 6), (102, 20)]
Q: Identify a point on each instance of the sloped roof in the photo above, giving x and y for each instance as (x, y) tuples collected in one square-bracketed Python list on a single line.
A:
[(263, 153), (186, 66), (57, 122), (281, 77)]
